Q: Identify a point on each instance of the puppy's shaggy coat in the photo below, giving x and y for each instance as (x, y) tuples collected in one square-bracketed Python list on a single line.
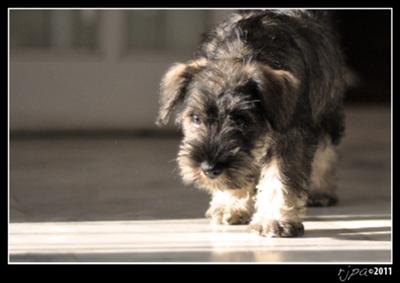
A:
[(260, 107)]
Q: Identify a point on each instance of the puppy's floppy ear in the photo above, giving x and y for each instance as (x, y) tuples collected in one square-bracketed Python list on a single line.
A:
[(173, 87), (279, 93)]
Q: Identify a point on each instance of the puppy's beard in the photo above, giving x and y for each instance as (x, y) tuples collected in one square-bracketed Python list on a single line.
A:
[(241, 175)]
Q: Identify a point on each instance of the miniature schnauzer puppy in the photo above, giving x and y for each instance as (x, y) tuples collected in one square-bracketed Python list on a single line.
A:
[(261, 110)]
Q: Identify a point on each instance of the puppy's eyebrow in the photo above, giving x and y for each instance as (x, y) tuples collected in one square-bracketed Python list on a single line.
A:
[(238, 102), (247, 104), (202, 103), (250, 88)]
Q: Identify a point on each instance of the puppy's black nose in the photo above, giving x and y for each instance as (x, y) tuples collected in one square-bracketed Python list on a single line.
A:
[(210, 169)]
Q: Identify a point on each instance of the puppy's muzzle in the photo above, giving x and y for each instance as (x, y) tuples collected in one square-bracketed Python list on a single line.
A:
[(210, 169)]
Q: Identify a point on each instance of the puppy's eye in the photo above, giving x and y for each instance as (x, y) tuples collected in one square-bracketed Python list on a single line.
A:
[(240, 120), (196, 119)]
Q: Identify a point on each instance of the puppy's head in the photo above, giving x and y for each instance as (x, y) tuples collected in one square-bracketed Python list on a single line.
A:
[(225, 109)]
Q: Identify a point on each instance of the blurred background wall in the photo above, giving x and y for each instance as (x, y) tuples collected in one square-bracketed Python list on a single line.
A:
[(100, 69)]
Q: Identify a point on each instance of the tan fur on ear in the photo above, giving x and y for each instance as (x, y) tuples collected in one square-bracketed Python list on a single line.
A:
[(170, 86), (173, 87), (198, 63), (288, 77), (280, 89)]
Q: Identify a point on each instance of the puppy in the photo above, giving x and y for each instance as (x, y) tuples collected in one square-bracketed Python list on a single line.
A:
[(261, 110)]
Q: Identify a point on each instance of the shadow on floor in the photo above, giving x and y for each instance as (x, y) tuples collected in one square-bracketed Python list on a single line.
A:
[(347, 218), (365, 233)]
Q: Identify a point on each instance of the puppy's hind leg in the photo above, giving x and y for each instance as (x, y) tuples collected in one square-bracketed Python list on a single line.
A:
[(323, 176)]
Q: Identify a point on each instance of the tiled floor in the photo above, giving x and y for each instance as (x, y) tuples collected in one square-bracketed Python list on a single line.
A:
[(119, 199)]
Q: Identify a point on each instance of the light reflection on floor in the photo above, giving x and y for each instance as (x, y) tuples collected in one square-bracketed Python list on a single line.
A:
[(327, 240)]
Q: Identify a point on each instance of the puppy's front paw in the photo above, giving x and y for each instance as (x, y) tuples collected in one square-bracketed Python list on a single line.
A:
[(219, 216), (318, 199), (236, 218), (275, 228)]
